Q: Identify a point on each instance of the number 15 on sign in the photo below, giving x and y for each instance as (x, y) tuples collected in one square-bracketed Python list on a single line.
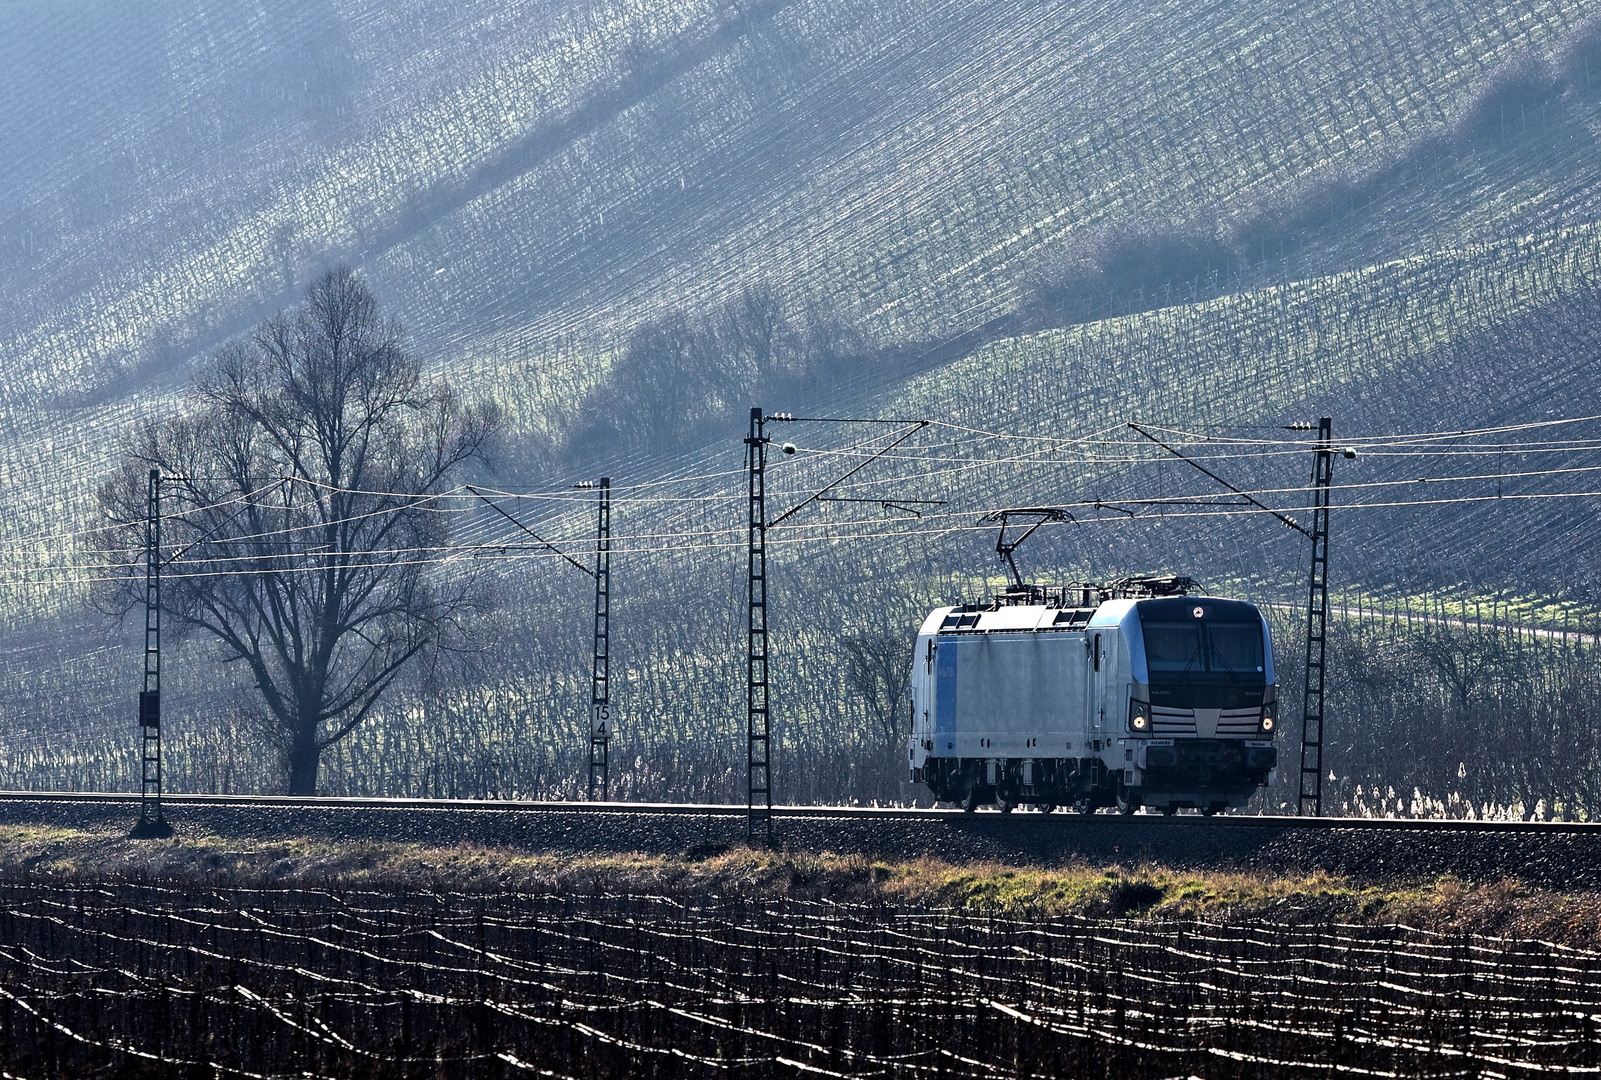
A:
[(600, 720)]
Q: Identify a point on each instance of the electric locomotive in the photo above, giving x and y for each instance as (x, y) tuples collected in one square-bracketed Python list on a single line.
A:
[(1137, 694)]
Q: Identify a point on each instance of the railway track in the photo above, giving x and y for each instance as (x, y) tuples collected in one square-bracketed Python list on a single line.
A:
[(804, 813), (1559, 855)]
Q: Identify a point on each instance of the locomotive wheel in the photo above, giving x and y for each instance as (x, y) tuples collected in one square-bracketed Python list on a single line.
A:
[(970, 802), (1169, 810), (1211, 811), (1126, 803), (1047, 807)]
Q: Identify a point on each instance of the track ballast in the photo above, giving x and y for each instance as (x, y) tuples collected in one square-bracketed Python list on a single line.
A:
[(1565, 855)]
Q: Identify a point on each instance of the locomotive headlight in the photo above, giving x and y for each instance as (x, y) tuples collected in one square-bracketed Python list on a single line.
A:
[(1139, 716), (1267, 723), (1269, 717)]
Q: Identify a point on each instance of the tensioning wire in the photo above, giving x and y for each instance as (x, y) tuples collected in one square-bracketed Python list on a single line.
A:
[(1401, 437), (487, 526), (493, 527), (791, 538)]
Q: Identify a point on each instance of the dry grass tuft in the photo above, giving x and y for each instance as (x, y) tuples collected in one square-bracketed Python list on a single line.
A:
[(1503, 908)]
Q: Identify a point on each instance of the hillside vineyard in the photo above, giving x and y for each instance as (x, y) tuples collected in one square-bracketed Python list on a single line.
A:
[(1029, 224)]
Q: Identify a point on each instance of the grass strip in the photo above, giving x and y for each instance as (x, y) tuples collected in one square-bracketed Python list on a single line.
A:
[(1504, 908)]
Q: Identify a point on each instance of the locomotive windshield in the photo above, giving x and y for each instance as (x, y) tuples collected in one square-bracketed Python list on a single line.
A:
[(1203, 652), (1196, 646)]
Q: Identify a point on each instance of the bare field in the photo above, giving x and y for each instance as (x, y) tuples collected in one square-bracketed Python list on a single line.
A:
[(723, 970)]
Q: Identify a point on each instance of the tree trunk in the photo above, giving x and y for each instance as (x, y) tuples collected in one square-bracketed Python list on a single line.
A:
[(303, 760)]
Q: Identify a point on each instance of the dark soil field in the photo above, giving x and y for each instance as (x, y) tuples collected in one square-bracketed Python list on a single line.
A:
[(135, 979), (215, 956)]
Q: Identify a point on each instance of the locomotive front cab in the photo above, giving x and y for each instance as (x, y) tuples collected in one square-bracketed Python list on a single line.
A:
[(1203, 708)]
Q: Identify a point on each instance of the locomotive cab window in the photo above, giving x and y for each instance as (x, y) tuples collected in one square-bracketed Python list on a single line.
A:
[(1234, 647), (1173, 647), (1195, 646)]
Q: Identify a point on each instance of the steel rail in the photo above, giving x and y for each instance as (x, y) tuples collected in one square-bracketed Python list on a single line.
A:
[(802, 813)]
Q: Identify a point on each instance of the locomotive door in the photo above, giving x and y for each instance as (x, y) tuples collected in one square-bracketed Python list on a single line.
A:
[(1097, 683)]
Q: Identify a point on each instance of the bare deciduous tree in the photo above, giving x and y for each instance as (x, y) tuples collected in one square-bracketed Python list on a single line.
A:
[(1464, 658), (878, 666), (302, 522), (753, 327)]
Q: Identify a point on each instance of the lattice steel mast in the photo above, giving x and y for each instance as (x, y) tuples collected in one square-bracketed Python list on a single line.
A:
[(758, 716), (151, 820), (600, 719), (1317, 618), (1317, 603), (600, 726), (758, 721)]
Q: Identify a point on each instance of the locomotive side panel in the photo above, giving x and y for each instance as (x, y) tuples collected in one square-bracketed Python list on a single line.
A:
[(1012, 689), (1115, 655), (1008, 695)]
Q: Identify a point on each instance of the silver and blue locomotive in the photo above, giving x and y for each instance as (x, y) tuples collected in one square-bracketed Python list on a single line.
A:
[(1135, 695)]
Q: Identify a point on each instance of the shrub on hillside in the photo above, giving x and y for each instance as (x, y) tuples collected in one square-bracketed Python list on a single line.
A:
[(1497, 106), (1150, 256), (1579, 62), (1127, 268), (679, 376), (1124, 267)]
